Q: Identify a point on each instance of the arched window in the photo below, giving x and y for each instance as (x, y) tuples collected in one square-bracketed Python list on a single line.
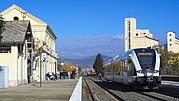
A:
[(16, 18)]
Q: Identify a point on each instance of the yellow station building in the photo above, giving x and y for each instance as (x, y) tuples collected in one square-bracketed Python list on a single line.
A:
[(14, 53), (44, 41)]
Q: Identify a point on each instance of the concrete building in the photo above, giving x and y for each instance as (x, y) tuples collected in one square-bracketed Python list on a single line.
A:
[(44, 41), (137, 38), (14, 51), (172, 43)]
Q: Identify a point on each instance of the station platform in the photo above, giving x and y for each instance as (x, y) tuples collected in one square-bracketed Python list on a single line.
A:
[(59, 90), (170, 83), (170, 78)]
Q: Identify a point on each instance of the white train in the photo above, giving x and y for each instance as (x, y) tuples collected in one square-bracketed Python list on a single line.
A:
[(138, 67)]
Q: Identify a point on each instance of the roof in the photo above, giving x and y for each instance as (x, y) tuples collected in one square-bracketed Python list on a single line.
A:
[(22, 11), (52, 33), (14, 32), (29, 15)]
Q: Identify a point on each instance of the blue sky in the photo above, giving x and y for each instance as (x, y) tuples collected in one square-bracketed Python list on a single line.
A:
[(87, 27)]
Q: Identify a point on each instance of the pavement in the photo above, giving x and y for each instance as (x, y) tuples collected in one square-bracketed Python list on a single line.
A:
[(171, 83), (59, 90)]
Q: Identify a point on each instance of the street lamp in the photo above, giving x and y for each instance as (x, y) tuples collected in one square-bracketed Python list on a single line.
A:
[(42, 58)]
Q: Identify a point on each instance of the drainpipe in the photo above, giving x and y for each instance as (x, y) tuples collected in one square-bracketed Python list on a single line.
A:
[(21, 55), (45, 68), (17, 64), (50, 64)]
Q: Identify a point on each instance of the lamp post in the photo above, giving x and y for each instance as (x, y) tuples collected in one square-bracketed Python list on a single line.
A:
[(42, 58)]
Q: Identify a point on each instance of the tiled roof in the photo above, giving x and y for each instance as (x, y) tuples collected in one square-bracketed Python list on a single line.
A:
[(15, 31)]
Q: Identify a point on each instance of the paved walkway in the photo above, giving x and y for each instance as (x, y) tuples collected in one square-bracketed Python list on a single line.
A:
[(59, 90), (171, 83)]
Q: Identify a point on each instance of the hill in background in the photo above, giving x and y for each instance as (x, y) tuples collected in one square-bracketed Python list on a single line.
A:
[(86, 62)]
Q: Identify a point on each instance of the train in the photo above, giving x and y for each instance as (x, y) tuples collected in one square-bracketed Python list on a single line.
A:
[(138, 67)]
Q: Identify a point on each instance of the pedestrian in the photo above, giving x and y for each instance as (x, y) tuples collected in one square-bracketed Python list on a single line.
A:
[(64, 74), (69, 74), (100, 76), (61, 74)]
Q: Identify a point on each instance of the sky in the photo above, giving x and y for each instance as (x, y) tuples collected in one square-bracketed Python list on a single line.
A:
[(88, 27)]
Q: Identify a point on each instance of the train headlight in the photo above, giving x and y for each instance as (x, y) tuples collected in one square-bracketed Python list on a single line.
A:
[(139, 71), (156, 71), (148, 72)]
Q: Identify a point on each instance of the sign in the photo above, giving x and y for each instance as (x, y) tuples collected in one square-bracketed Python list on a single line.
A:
[(43, 56), (144, 54)]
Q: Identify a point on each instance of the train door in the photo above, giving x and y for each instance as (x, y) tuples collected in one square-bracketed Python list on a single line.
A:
[(125, 76), (130, 71), (121, 71), (111, 72), (108, 72), (116, 69)]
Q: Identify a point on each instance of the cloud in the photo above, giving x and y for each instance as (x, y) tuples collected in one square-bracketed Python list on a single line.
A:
[(85, 46), (119, 36)]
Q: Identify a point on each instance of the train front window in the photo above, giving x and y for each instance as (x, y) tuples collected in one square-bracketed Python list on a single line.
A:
[(146, 58)]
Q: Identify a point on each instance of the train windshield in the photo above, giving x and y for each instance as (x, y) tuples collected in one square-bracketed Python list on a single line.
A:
[(146, 59)]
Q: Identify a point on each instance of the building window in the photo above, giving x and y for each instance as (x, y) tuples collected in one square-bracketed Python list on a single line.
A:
[(129, 24), (129, 34), (29, 46), (170, 51), (136, 34), (5, 49), (170, 44), (144, 33), (170, 39), (16, 18), (170, 35)]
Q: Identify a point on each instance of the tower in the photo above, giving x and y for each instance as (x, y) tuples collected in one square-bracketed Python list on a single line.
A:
[(130, 27)]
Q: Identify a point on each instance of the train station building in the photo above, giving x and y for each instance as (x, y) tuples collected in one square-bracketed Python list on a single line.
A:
[(137, 38), (44, 53), (14, 53)]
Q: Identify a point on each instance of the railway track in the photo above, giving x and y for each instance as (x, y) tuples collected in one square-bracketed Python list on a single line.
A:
[(87, 91), (120, 92), (97, 93)]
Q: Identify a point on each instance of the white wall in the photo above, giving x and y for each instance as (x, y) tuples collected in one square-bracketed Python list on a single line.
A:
[(10, 60), (172, 43)]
